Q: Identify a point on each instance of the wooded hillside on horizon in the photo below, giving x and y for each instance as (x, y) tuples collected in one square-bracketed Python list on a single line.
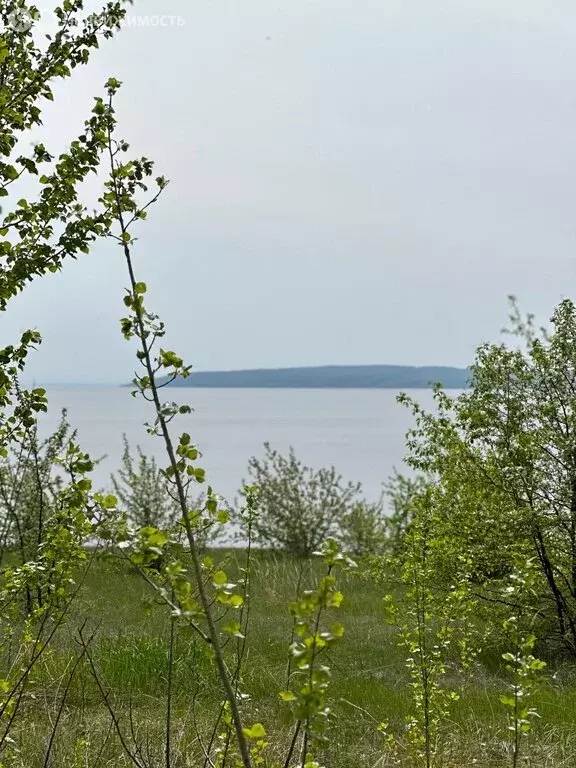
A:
[(333, 377)]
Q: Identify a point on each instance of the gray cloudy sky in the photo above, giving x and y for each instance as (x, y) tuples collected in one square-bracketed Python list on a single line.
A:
[(352, 181)]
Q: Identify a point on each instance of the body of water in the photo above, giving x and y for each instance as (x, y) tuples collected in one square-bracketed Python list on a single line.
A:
[(361, 432)]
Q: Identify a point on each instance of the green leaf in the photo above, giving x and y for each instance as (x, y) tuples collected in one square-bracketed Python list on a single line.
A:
[(220, 578), (236, 601), (337, 630), (233, 628), (335, 599), (287, 696), (256, 731)]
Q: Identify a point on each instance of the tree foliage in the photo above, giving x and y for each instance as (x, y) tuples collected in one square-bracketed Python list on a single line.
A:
[(363, 528), (300, 507), (503, 455), (402, 493)]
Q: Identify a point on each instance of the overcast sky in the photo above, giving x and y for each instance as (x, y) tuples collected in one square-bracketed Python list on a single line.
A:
[(352, 181)]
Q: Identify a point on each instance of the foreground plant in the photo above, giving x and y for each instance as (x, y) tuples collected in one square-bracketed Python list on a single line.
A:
[(29, 484), (524, 668), (46, 520), (198, 591), (435, 629), (56, 573), (309, 679), (194, 598)]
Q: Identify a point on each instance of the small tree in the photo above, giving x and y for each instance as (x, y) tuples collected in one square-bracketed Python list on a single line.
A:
[(147, 499), (363, 529), (434, 629), (526, 671), (142, 491), (29, 484), (402, 493), (300, 507)]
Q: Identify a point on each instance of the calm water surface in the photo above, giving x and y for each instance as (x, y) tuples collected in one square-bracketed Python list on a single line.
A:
[(360, 432)]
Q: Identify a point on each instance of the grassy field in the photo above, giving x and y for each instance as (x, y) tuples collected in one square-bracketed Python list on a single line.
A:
[(370, 680)]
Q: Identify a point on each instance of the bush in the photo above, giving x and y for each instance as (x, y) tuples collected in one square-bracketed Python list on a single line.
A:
[(401, 492), (300, 507), (28, 487), (146, 497), (142, 491), (503, 456), (363, 529)]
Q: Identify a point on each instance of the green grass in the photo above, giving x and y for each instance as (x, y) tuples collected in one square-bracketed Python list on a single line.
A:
[(130, 652)]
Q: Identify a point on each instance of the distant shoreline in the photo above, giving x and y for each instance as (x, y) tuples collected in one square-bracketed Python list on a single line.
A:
[(330, 377)]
